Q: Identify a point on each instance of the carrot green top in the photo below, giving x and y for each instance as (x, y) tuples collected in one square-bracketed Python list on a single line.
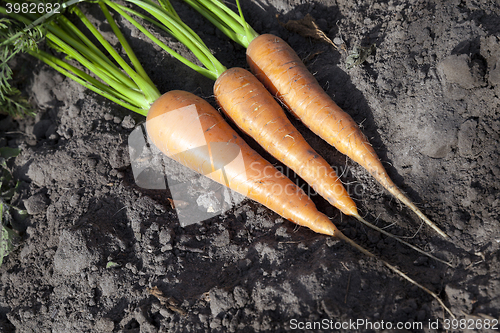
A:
[(166, 18), (116, 80), (109, 74)]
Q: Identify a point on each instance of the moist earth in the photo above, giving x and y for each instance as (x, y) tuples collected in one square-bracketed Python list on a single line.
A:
[(97, 244)]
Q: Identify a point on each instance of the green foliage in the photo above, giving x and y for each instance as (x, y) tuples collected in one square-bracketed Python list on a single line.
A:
[(112, 264), (7, 152), (108, 74), (13, 42), (7, 235), (231, 24), (8, 187), (6, 245)]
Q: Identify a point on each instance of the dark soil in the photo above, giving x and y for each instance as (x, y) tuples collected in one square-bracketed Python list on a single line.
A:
[(428, 99)]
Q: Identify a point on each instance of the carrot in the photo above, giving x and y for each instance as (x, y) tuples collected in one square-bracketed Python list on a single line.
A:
[(284, 74), (174, 134)]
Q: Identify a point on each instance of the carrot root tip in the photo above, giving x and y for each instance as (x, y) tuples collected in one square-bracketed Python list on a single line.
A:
[(340, 235)]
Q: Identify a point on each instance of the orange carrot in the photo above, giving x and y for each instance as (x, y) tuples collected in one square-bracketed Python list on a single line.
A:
[(275, 63), (249, 105), (176, 133)]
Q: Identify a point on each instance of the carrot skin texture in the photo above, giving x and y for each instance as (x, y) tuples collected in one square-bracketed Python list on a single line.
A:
[(284, 74), (286, 77), (177, 133), (245, 100)]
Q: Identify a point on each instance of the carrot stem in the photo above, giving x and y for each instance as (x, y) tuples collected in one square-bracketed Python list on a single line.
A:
[(184, 35), (88, 81), (168, 7), (68, 26), (213, 66), (144, 85), (126, 46), (232, 25)]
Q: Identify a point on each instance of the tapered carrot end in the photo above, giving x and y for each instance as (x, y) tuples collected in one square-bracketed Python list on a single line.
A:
[(391, 187), (426, 219), (325, 227), (431, 224), (341, 236), (406, 277), (346, 239), (362, 220)]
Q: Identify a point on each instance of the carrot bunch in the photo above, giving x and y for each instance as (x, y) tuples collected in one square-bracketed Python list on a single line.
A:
[(170, 116), (245, 100), (248, 104), (254, 110), (284, 74)]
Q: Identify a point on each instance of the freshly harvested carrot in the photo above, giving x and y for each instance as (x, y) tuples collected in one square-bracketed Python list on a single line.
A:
[(284, 74), (172, 125), (282, 71), (249, 105)]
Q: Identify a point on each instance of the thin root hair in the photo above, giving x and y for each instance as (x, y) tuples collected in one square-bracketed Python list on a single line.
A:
[(416, 232)]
